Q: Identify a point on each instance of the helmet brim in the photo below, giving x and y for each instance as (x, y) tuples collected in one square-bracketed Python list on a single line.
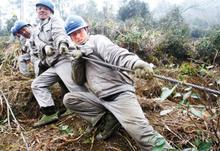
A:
[(71, 31), (45, 6)]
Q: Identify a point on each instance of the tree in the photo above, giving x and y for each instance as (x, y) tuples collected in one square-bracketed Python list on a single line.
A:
[(134, 8), (88, 10), (10, 22)]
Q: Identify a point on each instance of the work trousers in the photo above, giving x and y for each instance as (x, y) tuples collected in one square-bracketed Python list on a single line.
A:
[(60, 71), (125, 108)]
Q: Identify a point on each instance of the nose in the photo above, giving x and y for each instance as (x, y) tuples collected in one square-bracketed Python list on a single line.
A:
[(77, 35)]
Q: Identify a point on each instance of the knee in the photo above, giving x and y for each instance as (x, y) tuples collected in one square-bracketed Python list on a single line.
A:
[(68, 99), (33, 84)]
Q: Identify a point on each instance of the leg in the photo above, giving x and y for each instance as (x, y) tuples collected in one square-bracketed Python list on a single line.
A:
[(40, 87), (130, 115), (64, 71), (86, 105), (22, 64), (35, 61)]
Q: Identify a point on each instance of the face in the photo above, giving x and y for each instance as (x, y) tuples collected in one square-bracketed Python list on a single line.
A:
[(43, 12), (25, 32), (80, 36)]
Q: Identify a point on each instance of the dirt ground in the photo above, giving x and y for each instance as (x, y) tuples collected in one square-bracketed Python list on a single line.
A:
[(181, 126)]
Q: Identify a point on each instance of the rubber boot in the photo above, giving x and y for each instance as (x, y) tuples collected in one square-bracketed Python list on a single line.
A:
[(160, 143), (110, 126), (66, 113), (49, 116)]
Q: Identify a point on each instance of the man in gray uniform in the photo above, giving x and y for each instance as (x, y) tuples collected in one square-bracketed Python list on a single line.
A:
[(113, 89), (24, 58), (25, 31), (52, 43)]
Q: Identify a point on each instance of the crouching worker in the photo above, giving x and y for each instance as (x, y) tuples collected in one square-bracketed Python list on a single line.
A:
[(24, 31), (114, 89)]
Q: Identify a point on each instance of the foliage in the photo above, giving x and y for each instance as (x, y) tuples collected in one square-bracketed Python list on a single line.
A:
[(88, 11), (10, 22), (134, 8), (188, 69), (203, 145), (209, 46), (166, 92), (175, 36), (174, 22), (197, 32), (65, 129), (174, 45)]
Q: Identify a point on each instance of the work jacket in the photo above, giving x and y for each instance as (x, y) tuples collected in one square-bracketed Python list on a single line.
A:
[(105, 81), (51, 32)]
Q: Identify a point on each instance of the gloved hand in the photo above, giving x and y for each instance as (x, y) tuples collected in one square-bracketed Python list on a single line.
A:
[(48, 50), (143, 70), (63, 48), (77, 54)]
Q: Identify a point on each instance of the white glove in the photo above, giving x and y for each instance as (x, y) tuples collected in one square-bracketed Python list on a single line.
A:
[(143, 70), (48, 50), (63, 48), (77, 54)]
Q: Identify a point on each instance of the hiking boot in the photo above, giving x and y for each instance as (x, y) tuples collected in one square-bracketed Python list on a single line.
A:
[(46, 119), (110, 126)]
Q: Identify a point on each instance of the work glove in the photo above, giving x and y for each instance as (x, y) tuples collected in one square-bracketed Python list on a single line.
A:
[(48, 50), (63, 48), (143, 70), (76, 54)]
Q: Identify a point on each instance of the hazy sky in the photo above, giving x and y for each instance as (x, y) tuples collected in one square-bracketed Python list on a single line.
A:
[(8, 8)]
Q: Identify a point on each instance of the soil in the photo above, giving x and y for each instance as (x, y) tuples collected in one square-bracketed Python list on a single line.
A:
[(172, 118)]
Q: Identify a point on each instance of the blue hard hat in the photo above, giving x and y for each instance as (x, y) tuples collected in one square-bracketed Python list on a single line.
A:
[(74, 23), (13, 31), (48, 3), (18, 25)]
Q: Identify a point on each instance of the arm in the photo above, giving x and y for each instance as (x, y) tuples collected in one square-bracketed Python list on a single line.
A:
[(58, 33), (118, 56), (114, 54)]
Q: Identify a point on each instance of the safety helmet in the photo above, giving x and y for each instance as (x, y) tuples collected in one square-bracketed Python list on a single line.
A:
[(74, 23), (47, 3), (13, 31), (18, 25)]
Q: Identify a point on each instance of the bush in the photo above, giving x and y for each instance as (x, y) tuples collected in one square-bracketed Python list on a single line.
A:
[(174, 45), (209, 46)]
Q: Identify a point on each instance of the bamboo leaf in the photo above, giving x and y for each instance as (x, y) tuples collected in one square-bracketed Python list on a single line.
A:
[(166, 92)]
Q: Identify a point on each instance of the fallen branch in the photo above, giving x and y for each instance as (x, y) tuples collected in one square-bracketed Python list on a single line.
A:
[(15, 120)]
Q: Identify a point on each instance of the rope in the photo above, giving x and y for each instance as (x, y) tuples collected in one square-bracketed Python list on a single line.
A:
[(156, 76)]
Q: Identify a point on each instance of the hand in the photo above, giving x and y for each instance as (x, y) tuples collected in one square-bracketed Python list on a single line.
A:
[(143, 70), (77, 54), (63, 48), (48, 50)]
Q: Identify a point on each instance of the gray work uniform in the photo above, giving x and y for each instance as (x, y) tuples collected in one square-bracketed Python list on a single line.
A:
[(51, 32), (112, 90), (33, 51), (31, 54), (24, 58)]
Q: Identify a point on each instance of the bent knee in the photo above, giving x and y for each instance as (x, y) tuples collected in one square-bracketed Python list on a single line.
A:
[(69, 98), (34, 84)]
